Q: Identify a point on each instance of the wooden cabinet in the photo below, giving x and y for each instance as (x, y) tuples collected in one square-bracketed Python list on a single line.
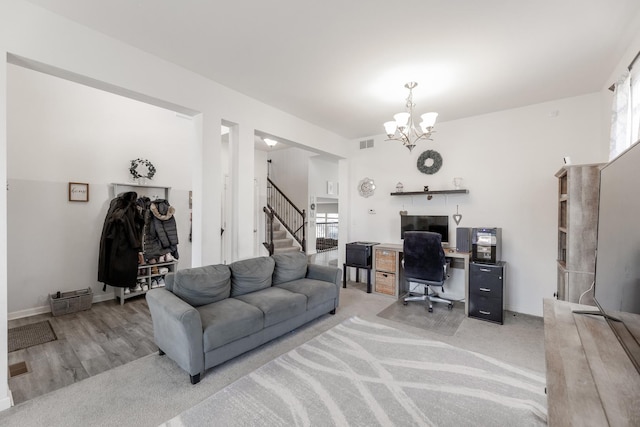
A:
[(486, 291), (387, 269), (590, 379), (578, 193)]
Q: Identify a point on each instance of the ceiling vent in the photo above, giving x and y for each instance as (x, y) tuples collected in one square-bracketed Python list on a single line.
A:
[(368, 143)]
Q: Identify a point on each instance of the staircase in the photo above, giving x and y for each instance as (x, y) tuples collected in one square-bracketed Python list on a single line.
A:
[(283, 219), (282, 243)]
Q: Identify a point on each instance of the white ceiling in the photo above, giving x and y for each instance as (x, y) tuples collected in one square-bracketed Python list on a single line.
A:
[(342, 64)]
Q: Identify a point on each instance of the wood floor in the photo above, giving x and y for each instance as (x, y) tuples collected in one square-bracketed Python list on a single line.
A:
[(89, 342)]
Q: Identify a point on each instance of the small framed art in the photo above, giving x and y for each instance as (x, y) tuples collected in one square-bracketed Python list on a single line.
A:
[(332, 188), (78, 192)]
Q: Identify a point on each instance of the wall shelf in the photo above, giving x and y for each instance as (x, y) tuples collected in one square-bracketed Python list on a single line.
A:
[(418, 193), (149, 190)]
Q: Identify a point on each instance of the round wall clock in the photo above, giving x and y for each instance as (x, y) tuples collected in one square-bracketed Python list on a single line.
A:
[(429, 162), (366, 187)]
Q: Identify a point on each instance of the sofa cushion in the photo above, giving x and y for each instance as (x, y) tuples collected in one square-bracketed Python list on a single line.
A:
[(316, 291), (202, 285), (289, 266), (276, 304), (251, 275), (228, 320)]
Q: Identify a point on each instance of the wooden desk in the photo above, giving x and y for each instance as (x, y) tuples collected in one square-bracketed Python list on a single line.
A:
[(387, 264), (590, 379)]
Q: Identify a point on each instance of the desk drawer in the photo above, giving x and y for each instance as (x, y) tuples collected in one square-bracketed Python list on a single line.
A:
[(484, 308), (486, 288), (385, 283), (486, 280), (386, 260)]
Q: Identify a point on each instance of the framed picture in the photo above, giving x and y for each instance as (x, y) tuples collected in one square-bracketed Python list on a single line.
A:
[(78, 192), (332, 188)]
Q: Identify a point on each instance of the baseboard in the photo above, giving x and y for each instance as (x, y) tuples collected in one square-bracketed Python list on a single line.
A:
[(47, 309), (6, 402)]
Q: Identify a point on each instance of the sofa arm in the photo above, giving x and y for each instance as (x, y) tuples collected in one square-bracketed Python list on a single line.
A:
[(327, 274), (177, 329), (323, 272)]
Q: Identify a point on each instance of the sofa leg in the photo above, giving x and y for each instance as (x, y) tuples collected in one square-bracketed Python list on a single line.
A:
[(160, 352), (195, 379), (333, 311)]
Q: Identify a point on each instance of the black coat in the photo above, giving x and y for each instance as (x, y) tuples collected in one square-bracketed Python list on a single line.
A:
[(161, 230), (120, 242)]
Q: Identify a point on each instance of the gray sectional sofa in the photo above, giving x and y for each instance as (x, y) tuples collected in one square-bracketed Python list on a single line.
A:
[(208, 315)]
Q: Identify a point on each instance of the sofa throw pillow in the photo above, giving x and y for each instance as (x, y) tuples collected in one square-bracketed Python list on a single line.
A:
[(289, 266), (203, 285), (251, 275)]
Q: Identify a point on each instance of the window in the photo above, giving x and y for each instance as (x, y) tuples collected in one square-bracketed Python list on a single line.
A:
[(625, 118), (326, 231)]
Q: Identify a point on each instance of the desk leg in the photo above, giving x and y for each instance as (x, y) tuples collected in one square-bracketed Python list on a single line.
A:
[(368, 280), (344, 275), (357, 274)]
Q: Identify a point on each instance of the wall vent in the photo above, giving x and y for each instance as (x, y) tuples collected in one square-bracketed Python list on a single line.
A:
[(367, 143)]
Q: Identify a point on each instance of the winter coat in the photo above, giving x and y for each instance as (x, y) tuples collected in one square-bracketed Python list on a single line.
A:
[(161, 235), (120, 242)]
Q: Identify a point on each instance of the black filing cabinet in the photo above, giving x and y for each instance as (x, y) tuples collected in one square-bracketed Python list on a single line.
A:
[(486, 291)]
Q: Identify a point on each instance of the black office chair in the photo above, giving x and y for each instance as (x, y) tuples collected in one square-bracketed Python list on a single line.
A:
[(424, 262)]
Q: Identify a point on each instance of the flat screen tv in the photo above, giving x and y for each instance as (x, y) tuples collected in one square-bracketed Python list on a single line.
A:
[(434, 223), (617, 278)]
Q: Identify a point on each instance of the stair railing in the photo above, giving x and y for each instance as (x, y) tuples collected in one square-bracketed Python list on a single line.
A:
[(289, 215), (268, 230), (326, 236)]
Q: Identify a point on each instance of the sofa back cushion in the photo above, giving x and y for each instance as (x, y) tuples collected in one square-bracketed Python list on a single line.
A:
[(251, 275), (289, 266), (202, 285)]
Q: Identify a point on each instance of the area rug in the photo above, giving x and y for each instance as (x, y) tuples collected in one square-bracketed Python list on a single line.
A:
[(442, 321), (29, 335), (361, 373)]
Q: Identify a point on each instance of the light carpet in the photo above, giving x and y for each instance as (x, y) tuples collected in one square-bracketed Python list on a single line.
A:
[(442, 320), (361, 373)]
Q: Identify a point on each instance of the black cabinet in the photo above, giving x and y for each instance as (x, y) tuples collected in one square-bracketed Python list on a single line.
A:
[(486, 291)]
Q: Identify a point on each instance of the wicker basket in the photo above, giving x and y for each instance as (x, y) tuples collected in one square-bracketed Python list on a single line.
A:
[(71, 302)]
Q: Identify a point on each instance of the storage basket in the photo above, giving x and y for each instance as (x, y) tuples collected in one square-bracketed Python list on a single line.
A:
[(71, 302)]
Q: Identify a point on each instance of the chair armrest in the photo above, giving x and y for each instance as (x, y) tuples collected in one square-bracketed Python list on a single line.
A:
[(177, 329)]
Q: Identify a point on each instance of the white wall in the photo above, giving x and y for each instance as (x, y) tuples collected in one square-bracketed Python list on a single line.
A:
[(60, 131), (507, 160), (321, 170), (260, 173), (290, 172)]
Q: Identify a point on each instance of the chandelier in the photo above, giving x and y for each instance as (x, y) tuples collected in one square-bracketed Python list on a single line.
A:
[(403, 128)]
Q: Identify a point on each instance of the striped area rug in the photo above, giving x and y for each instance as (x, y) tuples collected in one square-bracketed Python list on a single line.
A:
[(361, 373)]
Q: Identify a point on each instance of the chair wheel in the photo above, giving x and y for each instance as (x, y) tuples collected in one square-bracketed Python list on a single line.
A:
[(430, 309), (405, 302), (450, 306)]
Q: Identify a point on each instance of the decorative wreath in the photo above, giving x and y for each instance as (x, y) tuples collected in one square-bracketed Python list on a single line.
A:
[(429, 155), (151, 170)]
